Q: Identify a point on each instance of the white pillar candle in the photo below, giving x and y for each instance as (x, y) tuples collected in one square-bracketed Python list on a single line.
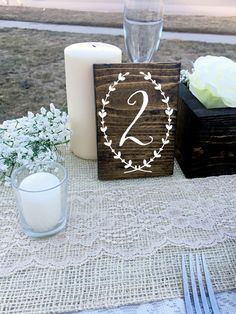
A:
[(40, 195), (79, 60)]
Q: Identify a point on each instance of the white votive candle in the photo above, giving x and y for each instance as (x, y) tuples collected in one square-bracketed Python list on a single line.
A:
[(40, 195), (79, 60)]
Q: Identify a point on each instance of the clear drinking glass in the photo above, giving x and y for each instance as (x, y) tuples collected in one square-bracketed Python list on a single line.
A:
[(143, 23), (41, 197)]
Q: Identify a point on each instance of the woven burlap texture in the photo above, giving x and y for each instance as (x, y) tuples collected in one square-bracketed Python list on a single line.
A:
[(123, 242)]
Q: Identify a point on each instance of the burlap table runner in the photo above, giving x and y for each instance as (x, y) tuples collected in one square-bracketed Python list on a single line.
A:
[(123, 242)]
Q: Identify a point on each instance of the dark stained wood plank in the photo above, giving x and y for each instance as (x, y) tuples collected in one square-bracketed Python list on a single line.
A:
[(115, 115)]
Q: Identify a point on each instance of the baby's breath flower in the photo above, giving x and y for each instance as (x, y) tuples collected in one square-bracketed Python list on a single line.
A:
[(34, 137), (30, 115), (52, 107), (43, 111), (49, 115), (184, 76)]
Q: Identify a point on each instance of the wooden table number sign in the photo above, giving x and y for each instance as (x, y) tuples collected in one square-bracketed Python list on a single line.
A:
[(136, 108)]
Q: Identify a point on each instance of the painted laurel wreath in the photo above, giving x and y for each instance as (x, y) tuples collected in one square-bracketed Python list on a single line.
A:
[(108, 142)]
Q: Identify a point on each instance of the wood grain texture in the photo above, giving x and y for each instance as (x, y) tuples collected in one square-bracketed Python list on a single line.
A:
[(120, 115), (205, 138)]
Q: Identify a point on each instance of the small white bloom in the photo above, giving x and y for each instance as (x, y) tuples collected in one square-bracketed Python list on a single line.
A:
[(184, 76), (30, 115), (49, 115), (52, 107), (43, 111)]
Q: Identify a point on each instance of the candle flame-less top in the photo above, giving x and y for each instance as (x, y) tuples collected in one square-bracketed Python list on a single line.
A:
[(39, 182), (89, 48)]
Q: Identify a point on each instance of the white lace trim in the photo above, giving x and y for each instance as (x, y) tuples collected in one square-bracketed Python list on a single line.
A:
[(127, 220)]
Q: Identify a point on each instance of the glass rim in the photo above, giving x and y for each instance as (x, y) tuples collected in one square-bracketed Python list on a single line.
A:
[(15, 171)]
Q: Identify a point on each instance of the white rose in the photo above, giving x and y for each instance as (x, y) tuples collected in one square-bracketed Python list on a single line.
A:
[(213, 82)]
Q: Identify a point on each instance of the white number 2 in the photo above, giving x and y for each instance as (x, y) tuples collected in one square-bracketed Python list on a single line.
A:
[(143, 107)]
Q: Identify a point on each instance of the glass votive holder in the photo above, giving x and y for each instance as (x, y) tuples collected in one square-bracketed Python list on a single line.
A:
[(41, 197)]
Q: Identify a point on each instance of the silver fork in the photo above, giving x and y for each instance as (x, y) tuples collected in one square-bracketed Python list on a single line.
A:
[(202, 298)]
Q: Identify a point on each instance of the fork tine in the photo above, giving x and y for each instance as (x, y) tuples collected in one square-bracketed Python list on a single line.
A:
[(194, 287), (209, 287), (187, 300), (201, 287)]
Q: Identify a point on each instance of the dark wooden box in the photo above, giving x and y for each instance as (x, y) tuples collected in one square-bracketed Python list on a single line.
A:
[(205, 138)]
